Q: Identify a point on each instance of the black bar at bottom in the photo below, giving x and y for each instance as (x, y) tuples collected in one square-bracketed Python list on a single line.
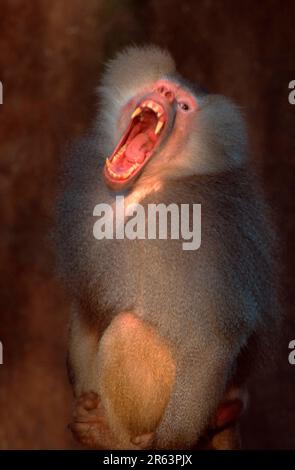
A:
[(237, 460)]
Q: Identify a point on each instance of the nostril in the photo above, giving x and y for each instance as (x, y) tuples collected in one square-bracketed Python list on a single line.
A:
[(162, 90), (166, 92), (168, 95)]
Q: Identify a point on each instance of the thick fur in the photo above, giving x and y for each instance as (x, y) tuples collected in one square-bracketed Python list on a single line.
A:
[(205, 305), (137, 372)]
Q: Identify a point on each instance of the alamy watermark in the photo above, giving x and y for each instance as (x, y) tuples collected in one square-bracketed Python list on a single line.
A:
[(134, 221), (291, 96), (291, 356)]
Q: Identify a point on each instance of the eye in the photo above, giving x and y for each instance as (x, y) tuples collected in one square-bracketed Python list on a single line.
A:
[(184, 106)]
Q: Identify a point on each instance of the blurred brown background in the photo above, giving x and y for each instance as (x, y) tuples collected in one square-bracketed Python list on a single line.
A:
[(51, 55)]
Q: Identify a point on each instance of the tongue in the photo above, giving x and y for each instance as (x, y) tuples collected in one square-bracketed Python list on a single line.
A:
[(138, 147)]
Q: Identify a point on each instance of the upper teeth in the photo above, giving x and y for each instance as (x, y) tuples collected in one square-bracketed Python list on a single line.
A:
[(148, 104)]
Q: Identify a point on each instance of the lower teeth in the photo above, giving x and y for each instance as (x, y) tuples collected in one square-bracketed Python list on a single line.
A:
[(119, 153)]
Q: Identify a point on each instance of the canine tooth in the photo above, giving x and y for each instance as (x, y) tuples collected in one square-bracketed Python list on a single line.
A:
[(159, 126), (108, 162), (136, 112)]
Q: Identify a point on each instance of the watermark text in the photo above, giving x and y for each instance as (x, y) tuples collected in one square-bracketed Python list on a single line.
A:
[(291, 357), (135, 221), (292, 93)]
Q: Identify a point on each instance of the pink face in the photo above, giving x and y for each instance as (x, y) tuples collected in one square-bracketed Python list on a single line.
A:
[(165, 109)]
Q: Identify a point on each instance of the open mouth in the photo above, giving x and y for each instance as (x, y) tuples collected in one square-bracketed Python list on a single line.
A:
[(137, 144)]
